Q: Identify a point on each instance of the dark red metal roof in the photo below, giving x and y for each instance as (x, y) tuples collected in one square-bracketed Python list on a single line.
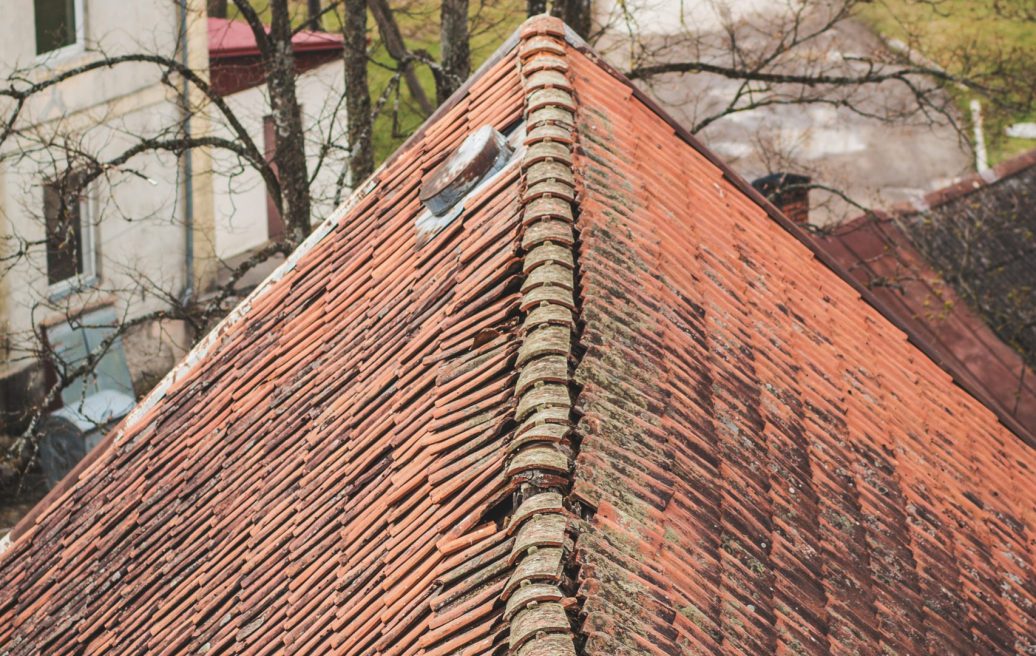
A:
[(235, 62), (234, 38), (618, 406)]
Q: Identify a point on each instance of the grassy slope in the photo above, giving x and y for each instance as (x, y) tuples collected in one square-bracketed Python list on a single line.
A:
[(944, 31), (492, 22)]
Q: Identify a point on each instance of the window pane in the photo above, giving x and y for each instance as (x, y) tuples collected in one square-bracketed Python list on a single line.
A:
[(55, 24), (64, 233)]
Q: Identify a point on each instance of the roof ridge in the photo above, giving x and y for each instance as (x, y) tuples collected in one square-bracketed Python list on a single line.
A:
[(540, 468)]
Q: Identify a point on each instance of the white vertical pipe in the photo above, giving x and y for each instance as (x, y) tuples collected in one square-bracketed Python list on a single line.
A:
[(981, 157)]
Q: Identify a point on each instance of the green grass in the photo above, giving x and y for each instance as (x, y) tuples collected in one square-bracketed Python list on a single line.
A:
[(967, 37), (491, 22)]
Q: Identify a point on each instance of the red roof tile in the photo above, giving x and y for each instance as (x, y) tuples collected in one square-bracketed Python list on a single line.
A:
[(879, 255), (613, 408), (769, 465)]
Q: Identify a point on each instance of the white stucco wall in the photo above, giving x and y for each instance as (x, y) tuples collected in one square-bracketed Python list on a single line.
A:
[(135, 210), (239, 193)]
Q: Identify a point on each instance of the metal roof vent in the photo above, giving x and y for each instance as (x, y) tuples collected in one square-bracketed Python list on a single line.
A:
[(484, 152)]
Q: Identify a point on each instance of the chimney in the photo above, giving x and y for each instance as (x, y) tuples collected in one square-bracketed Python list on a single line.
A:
[(789, 192)]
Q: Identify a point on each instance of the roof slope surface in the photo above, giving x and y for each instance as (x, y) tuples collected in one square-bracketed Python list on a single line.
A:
[(961, 272), (774, 468), (331, 456), (615, 408)]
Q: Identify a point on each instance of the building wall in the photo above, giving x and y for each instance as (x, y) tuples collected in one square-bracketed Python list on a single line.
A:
[(136, 211), (239, 192), (139, 211)]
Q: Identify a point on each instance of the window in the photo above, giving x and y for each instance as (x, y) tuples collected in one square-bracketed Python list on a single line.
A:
[(59, 26), (70, 256), (92, 401)]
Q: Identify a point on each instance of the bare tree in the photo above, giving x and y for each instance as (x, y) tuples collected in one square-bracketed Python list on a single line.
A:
[(357, 92), (313, 15), (217, 8), (290, 155), (793, 78), (395, 45), (456, 54)]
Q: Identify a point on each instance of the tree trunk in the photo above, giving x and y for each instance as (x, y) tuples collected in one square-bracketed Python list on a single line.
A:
[(456, 54), (357, 93), (313, 15), (577, 14), (290, 157), (389, 30), (217, 8)]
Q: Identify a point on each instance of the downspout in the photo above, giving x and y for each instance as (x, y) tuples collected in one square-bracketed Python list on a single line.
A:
[(981, 158), (188, 168)]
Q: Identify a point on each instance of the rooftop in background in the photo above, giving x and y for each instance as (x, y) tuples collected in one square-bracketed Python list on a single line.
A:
[(235, 59), (234, 38), (960, 268), (614, 405)]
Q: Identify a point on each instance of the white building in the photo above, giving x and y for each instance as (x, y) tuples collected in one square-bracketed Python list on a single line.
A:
[(156, 226)]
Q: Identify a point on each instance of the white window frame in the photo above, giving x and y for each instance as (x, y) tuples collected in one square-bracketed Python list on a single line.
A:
[(88, 278), (53, 56)]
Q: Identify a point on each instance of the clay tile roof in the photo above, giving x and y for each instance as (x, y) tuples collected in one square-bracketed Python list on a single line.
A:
[(618, 406), (960, 269)]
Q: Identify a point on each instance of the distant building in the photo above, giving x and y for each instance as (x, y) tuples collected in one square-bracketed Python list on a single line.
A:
[(158, 226), (844, 146)]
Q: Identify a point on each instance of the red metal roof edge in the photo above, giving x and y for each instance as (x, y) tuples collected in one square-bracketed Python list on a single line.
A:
[(959, 378), (242, 40), (968, 185)]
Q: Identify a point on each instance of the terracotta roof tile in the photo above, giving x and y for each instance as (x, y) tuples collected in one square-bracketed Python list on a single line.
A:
[(773, 467), (879, 254), (615, 407)]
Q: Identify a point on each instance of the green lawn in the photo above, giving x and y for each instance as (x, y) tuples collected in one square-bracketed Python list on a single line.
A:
[(492, 21), (968, 37)]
